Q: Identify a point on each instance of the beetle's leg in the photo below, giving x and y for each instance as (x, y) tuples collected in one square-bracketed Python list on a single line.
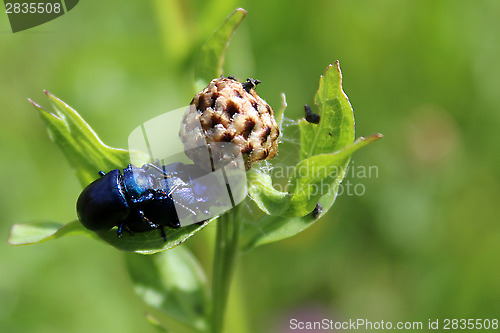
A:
[(161, 170), (162, 233), (173, 189), (102, 173), (154, 225), (120, 229), (122, 226), (157, 168), (183, 206), (145, 219), (250, 84), (177, 225)]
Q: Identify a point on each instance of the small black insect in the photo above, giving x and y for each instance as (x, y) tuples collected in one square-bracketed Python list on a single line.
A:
[(230, 77), (317, 211), (311, 117), (250, 84), (141, 199)]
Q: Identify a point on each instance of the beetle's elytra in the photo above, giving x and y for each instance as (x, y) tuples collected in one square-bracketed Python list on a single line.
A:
[(140, 199)]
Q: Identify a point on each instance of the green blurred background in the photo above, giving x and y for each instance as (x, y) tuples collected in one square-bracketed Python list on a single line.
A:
[(422, 242)]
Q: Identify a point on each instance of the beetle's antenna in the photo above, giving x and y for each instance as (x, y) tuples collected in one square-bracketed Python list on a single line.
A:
[(173, 189), (184, 206)]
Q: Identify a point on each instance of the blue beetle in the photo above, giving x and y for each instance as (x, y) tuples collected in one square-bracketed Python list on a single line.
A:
[(141, 199)]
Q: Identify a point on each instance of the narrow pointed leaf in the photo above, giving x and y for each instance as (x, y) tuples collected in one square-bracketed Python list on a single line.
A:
[(211, 58), (85, 151), (34, 233)]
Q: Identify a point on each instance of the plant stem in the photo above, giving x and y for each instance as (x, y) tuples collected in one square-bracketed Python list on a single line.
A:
[(226, 248)]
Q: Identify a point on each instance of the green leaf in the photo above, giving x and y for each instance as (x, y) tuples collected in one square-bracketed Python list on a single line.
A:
[(262, 192), (336, 126), (272, 229), (173, 282), (275, 228), (333, 133), (320, 175), (150, 242), (34, 233), (211, 58), (86, 153), (297, 215), (325, 152)]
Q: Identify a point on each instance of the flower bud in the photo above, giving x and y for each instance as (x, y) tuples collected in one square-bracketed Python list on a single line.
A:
[(231, 111)]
